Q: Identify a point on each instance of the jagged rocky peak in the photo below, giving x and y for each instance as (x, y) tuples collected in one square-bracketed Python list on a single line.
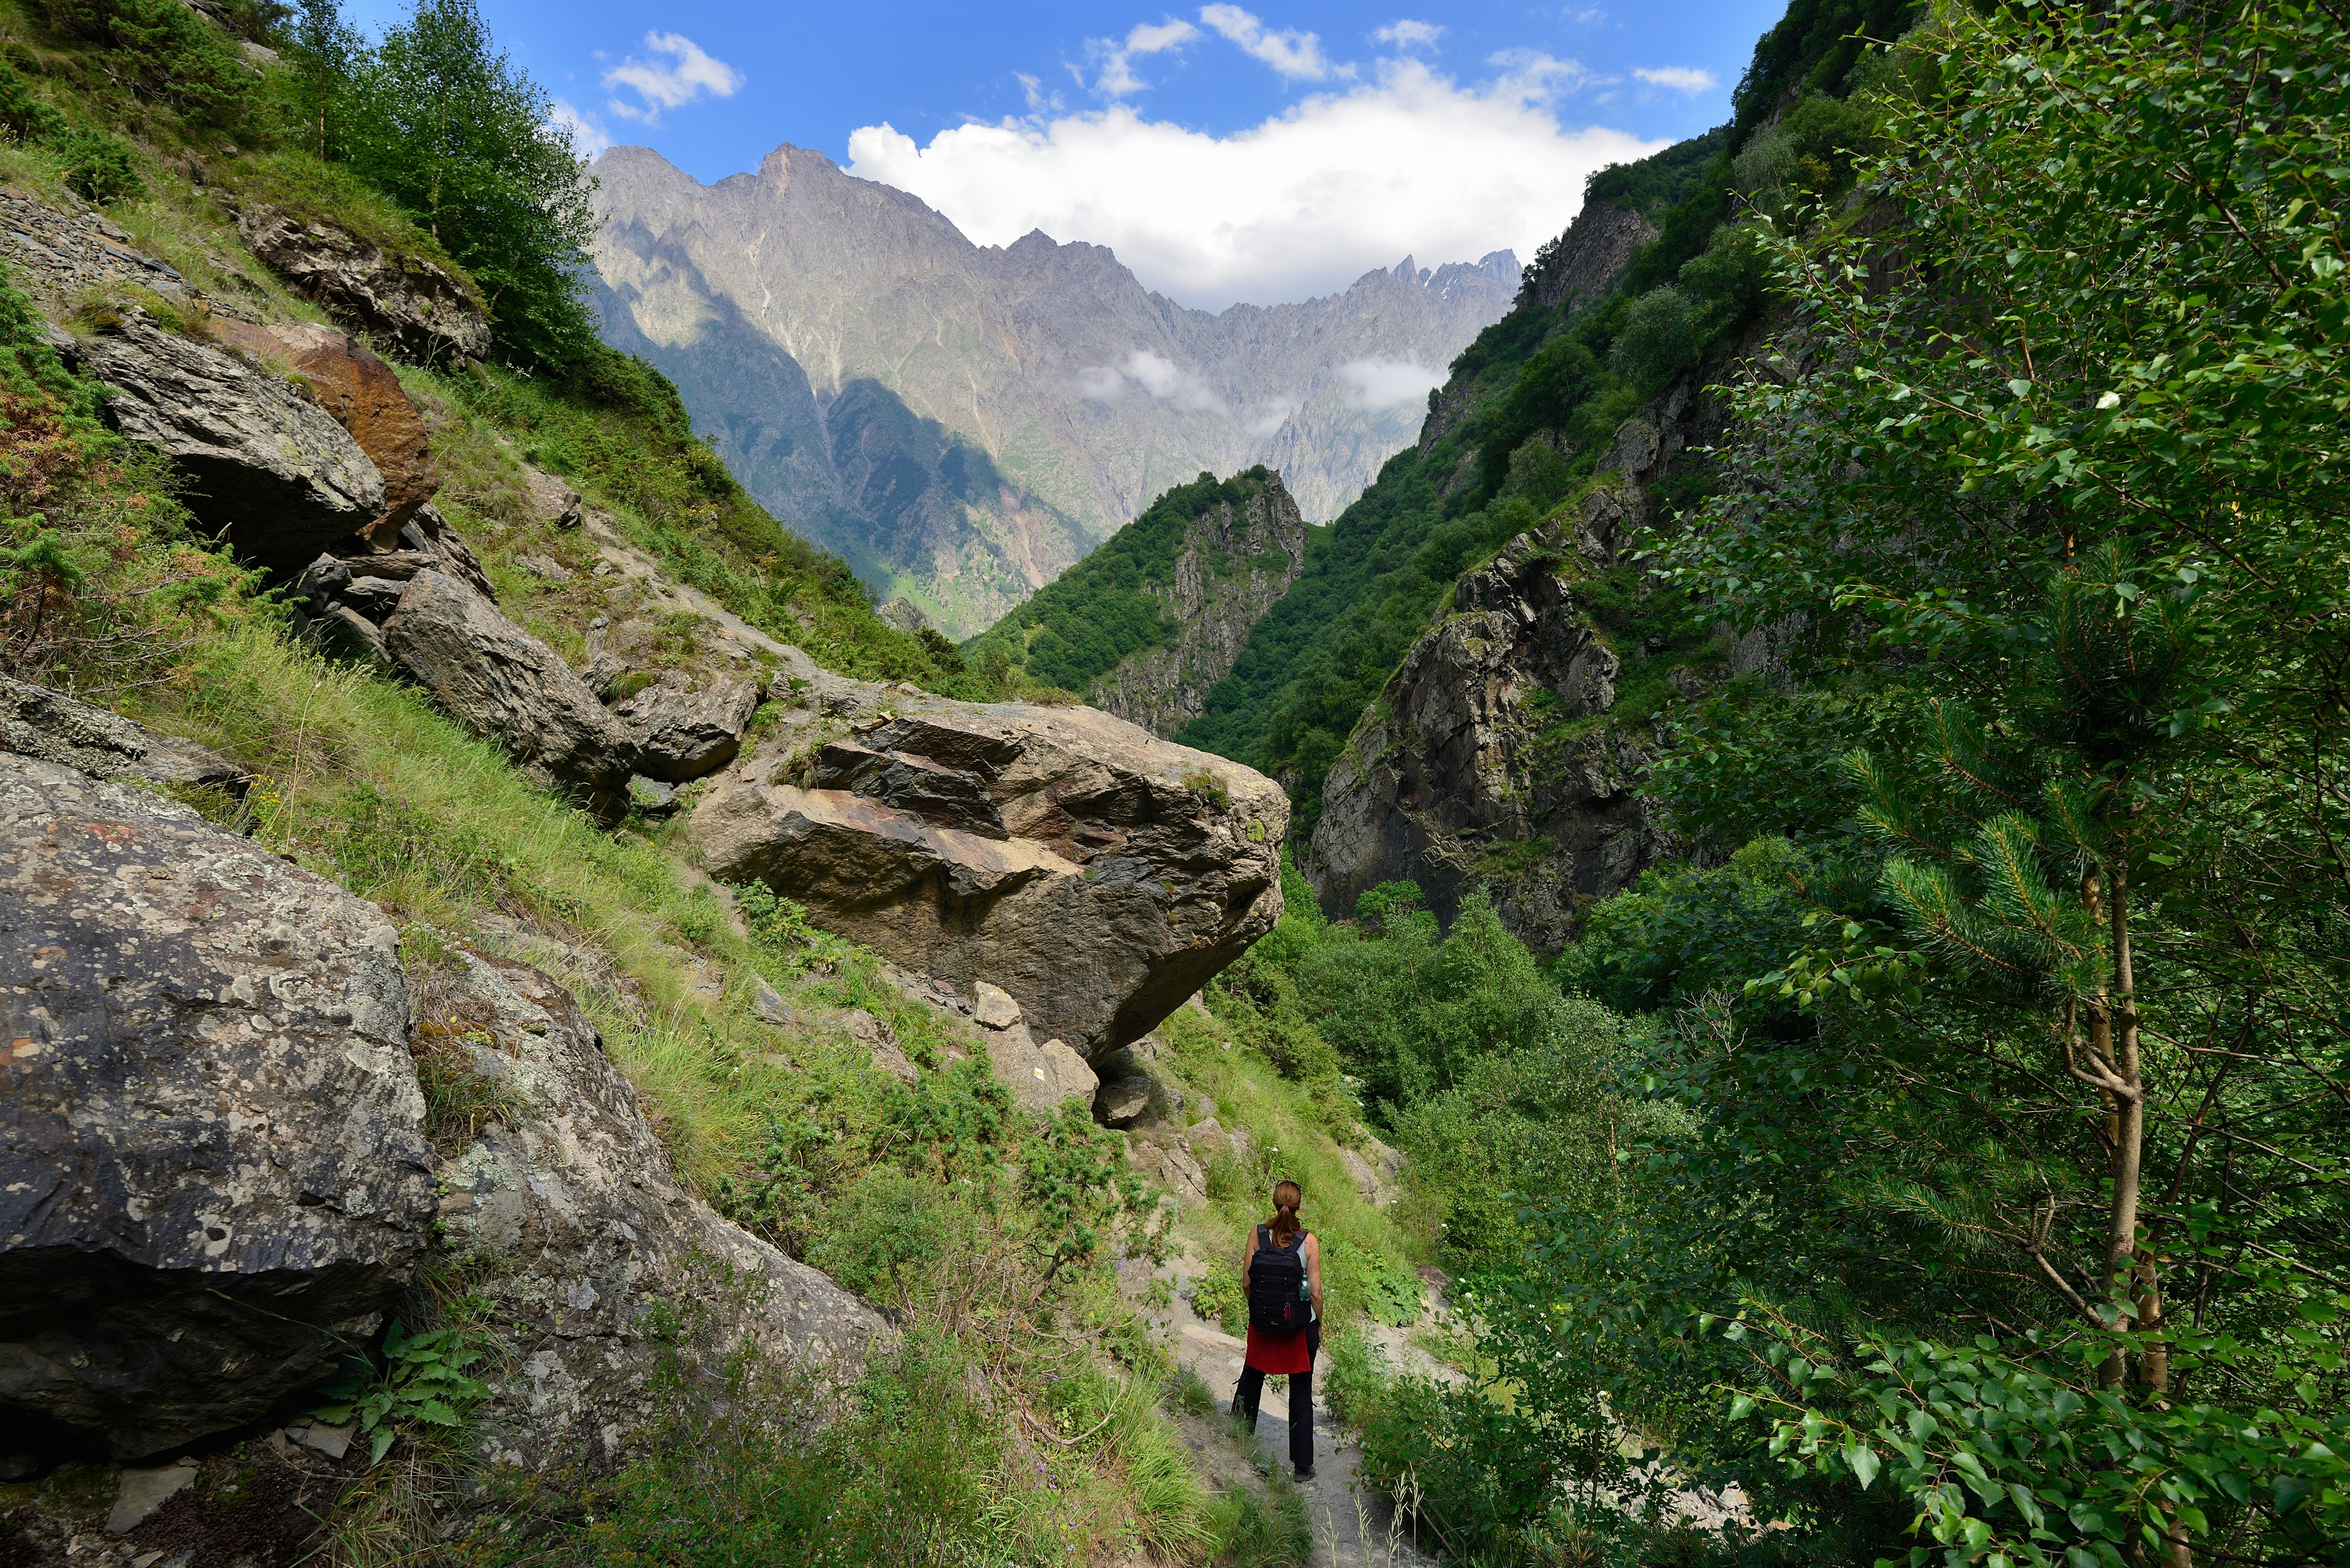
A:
[(961, 421), (1235, 562)]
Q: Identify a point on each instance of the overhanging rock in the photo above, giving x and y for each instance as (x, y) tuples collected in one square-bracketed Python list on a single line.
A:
[(1096, 873)]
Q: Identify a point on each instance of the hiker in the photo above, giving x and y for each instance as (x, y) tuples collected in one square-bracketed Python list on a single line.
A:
[(1282, 1269)]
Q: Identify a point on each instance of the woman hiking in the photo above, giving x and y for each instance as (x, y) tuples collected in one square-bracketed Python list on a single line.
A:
[(1280, 1267)]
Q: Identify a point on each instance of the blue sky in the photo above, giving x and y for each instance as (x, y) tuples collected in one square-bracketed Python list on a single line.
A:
[(1260, 152)]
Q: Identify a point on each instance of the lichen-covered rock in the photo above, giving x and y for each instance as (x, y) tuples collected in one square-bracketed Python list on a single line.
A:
[(595, 1247), (1234, 565), (505, 685), (213, 1174), (1096, 874), (265, 464), (365, 397), (423, 308), (684, 728), (35, 722)]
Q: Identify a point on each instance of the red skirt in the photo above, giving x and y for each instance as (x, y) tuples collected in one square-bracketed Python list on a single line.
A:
[(1278, 1352)]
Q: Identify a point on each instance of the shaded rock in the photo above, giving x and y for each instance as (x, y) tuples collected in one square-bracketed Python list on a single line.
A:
[(505, 685), (544, 568), (426, 309), (373, 598), (603, 675), (140, 1493), (768, 1006), (1131, 870), (948, 798), (340, 631), (654, 797), (35, 722), (432, 534), (1121, 1102), (215, 1175), (685, 731), (347, 379), (571, 1190), (265, 465)]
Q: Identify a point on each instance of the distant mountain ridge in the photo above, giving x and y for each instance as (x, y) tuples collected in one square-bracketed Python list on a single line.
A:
[(964, 422)]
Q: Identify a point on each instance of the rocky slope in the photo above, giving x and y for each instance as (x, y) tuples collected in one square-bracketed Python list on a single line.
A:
[(1502, 753), (963, 421), (1234, 563)]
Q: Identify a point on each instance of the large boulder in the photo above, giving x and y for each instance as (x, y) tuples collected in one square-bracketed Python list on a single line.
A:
[(686, 729), (505, 685), (35, 722), (365, 397), (213, 1174), (423, 308), (567, 1187), (1096, 873), (266, 466)]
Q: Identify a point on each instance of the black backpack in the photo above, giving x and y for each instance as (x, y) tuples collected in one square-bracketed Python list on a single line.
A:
[(1280, 1300)]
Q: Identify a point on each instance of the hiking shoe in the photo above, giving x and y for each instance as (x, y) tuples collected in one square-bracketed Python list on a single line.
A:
[(1305, 1475)]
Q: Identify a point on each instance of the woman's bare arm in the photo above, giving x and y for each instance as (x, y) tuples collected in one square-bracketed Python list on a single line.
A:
[(1248, 1255), (1312, 1269)]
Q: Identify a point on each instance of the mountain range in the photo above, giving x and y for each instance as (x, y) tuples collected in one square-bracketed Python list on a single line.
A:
[(961, 421)]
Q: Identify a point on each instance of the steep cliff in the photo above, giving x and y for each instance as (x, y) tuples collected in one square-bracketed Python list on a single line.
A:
[(965, 422), (1507, 749), (1234, 562)]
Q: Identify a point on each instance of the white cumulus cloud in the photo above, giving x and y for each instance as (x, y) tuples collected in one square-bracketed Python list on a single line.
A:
[(1681, 78), (1379, 385), (1117, 78), (1414, 162), (589, 138), (1407, 34), (690, 72), (1292, 54)]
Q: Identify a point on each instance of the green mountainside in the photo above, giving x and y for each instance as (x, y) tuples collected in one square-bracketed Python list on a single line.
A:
[(1374, 582)]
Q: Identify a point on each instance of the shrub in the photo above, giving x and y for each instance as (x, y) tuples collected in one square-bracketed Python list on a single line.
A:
[(1220, 1298), (1659, 340), (99, 167)]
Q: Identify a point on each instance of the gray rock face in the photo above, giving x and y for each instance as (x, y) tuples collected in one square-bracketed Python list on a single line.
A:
[(1586, 258), (1475, 747), (423, 309), (35, 722), (969, 420), (1098, 875), (266, 465), (505, 685), (684, 732), (1482, 763), (1234, 565), (571, 1191), (214, 1173)]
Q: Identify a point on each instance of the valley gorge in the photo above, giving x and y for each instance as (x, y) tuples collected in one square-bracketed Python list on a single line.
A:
[(679, 863), (962, 422)]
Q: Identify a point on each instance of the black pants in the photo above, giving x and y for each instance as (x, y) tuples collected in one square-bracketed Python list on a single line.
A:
[(1250, 1395)]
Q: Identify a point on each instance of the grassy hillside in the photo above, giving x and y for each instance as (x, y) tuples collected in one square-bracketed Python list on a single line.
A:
[(909, 1195), (1533, 404)]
